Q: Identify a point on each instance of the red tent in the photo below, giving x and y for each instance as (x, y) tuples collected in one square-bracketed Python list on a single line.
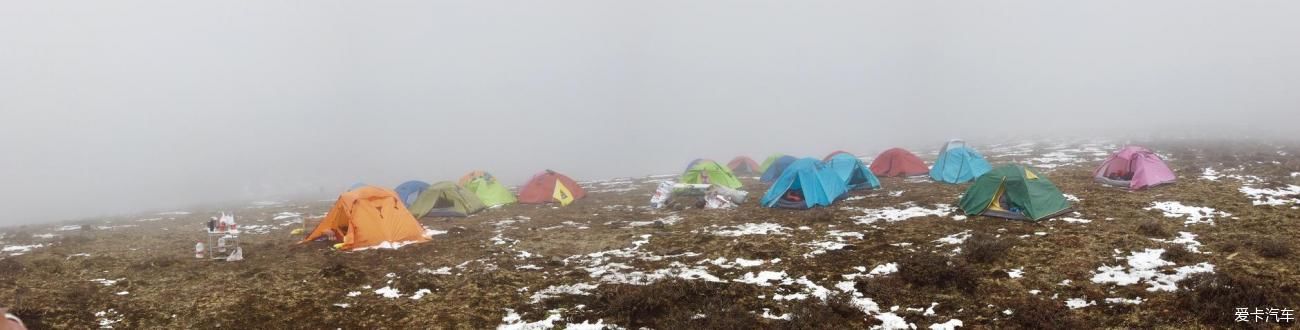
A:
[(898, 162), (743, 165), (541, 188), (836, 152)]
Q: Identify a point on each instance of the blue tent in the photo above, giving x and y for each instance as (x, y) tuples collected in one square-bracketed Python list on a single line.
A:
[(410, 190), (778, 166), (958, 163), (807, 179), (852, 172)]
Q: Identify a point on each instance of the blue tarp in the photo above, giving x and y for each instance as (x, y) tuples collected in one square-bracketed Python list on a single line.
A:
[(852, 172), (778, 166), (818, 185), (410, 190), (958, 164)]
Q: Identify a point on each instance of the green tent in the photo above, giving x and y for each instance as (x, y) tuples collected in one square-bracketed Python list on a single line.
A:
[(490, 191), (445, 199), (768, 162), (710, 172), (1014, 192)]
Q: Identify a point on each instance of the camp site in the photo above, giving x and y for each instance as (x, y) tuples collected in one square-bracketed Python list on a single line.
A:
[(649, 165)]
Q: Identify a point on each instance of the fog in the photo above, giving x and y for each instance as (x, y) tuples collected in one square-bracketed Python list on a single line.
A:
[(112, 107)]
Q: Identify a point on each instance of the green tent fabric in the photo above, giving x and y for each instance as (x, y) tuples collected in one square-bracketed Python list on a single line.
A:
[(1014, 192), (710, 172), (768, 162), (445, 199), (490, 191)]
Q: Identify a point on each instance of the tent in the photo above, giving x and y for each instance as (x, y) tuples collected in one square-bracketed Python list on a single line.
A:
[(712, 173), (1134, 168), (696, 161), (490, 191), (768, 162), (744, 165), (898, 162), (836, 153), (958, 163), (445, 199), (367, 217), (470, 176), (774, 170), (550, 186), (1014, 192), (806, 183), (410, 190), (850, 169)]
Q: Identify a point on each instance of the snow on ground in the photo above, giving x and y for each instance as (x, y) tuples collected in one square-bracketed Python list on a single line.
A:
[(954, 239), (1076, 303), (108, 318), (892, 214), (1210, 174), (1186, 239), (1146, 266), (1072, 198), (763, 278), (767, 314), (388, 292), (1282, 196), (17, 250), (766, 228), (1016, 273), (567, 289), (1192, 214), (952, 324), (1116, 301)]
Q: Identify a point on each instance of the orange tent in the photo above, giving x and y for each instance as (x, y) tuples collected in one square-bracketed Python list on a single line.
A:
[(550, 186), (469, 176), (367, 217)]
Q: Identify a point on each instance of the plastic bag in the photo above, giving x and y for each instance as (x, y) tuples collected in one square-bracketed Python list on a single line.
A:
[(237, 255), (661, 195)]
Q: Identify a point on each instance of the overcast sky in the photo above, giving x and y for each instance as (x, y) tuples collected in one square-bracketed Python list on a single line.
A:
[(109, 107)]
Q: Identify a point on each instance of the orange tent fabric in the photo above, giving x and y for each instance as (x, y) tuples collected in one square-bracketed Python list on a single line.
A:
[(744, 165), (541, 188), (469, 176), (367, 217), (898, 162)]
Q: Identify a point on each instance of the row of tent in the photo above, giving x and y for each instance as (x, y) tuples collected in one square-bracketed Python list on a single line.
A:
[(368, 216), (1010, 191)]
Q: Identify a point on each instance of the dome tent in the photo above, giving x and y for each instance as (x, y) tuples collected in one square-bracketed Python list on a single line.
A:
[(490, 191), (410, 190), (805, 184), (446, 199), (850, 169), (774, 170), (744, 165), (958, 163), (550, 186), (710, 172), (1014, 192), (1134, 167), (369, 217), (898, 162)]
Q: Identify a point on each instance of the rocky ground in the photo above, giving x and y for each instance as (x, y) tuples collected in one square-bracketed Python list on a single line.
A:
[(1184, 255)]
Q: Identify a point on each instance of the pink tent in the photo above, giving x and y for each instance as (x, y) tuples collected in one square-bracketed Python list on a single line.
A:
[(1135, 168)]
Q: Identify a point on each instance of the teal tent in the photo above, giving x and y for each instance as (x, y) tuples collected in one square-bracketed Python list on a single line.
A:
[(958, 163), (805, 183), (852, 172)]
